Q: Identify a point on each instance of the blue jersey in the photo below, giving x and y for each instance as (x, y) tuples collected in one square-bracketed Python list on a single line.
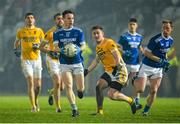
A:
[(65, 36), (158, 46), (131, 42)]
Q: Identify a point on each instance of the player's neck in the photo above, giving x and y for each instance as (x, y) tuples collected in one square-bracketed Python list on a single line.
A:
[(100, 41), (132, 32), (67, 26), (30, 26), (166, 36)]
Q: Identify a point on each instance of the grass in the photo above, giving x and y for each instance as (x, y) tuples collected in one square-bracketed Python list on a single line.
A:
[(16, 109)]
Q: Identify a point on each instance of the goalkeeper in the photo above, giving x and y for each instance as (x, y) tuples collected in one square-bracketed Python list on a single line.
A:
[(115, 75)]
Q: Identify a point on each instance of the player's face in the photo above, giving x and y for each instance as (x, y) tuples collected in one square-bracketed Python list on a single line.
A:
[(98, 35), (29, 20), (59, 21), (167, 29), (68, 20), (132, 27)]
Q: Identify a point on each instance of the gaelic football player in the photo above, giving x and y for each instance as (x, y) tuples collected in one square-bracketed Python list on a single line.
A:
[(130, 42), (71, 67), (29, 38), (115, 75), (154, 63), (52, 62)]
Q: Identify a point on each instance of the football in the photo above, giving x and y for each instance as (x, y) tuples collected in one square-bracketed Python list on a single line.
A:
[(70, 50)]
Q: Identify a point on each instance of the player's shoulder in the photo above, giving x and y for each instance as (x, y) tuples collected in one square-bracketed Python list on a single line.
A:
[(51, 30), (38, 29), (77, 29), (156, 38), (109, 41), (125, 34), (21, 29), (138, 35)]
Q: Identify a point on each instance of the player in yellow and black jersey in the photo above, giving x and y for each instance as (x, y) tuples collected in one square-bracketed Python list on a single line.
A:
[(29, 38), (52, 62), (115, 75)]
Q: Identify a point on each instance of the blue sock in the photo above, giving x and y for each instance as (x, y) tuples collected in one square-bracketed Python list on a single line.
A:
[(73, 106), (137, 100), (146, 108)]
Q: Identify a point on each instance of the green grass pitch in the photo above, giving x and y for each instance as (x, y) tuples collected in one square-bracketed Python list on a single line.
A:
[(16, 109)]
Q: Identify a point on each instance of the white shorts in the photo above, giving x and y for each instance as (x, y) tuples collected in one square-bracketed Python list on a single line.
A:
[(32, 68), (150, 72), (74, 68), (132, 68), (53, 66)]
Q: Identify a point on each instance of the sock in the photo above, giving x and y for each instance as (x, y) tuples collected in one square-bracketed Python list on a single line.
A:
[(137, 100), (130, 100), (146, 108), (73, 106)]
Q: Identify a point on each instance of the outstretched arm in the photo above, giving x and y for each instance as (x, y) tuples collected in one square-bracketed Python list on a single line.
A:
[(93, 65)]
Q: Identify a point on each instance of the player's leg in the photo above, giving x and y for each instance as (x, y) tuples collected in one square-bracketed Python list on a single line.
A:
[(28, 73), (115, 93), (54, 71), (140, 82), (31, 93), (78, 73), (79, 78), (67, 78), (56, 92), (133, 69), (50, 98), (37, 70), (154, 85), (37, 89), (102, 83), (61, 85)]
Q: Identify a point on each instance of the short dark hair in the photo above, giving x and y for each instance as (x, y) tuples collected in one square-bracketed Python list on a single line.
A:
[(67, 12), (167, 21), (133, 20), (29, 13), (57, 14), (97, 27)]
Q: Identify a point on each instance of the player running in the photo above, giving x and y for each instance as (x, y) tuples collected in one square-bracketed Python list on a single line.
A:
[(154, 63), (29, 38), (115, 75), (130, 43), (71, 67), (52, 62)]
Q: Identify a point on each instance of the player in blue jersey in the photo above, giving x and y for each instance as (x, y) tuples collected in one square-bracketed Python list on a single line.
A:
[(131, 45), (71, 67), (154, 63)]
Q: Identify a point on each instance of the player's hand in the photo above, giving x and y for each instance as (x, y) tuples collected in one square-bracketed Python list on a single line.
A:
[(78, 49), (165, 64), (62, 50), (127, 53), (53, 55), (86, 71), (17, 52), (35, 46), (116, 70)]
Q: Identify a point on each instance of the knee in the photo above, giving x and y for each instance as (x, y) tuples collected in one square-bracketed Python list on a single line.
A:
[(98, 88), (111, 95), (153, 92), (139, 90), (57, 86)]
